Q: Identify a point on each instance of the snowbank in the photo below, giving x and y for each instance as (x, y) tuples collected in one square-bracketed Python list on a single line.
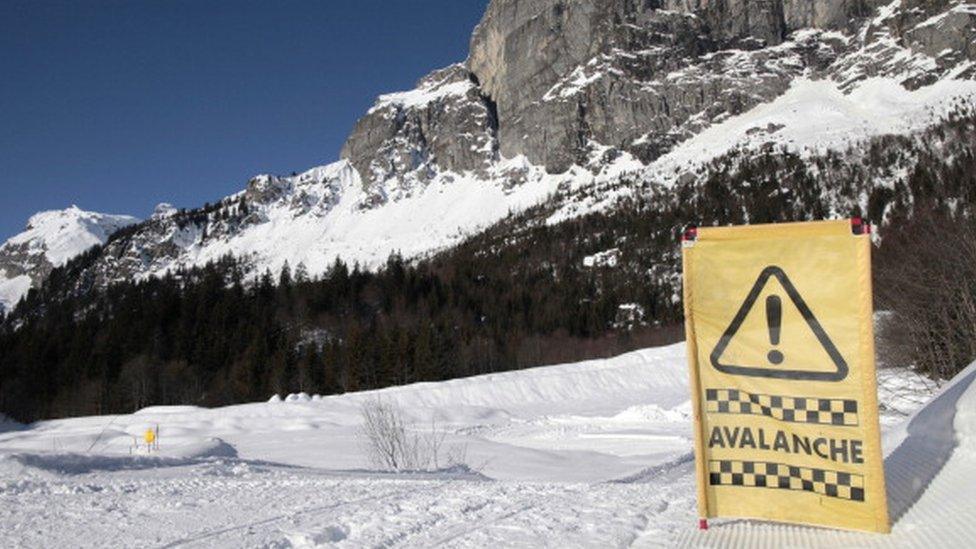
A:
[(539, 443)]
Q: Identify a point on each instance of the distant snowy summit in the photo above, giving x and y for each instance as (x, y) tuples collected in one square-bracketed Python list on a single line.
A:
[(50, 239), (163, 210)]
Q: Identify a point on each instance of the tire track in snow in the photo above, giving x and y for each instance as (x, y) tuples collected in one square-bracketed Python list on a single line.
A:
[(930, 483), (209, 535), (462, 531), (471, 521)]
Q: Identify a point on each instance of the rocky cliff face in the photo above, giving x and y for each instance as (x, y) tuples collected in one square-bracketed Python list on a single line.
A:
[(639, 75), (569, 96), (445, 124)]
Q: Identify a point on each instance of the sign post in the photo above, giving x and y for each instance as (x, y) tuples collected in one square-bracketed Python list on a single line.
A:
[(778, 320)]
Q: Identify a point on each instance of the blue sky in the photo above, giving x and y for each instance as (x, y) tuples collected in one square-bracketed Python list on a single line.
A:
[(118, 105)]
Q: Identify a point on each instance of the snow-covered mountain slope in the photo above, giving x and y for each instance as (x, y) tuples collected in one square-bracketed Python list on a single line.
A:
[(544, 443), (613, 91), (812, 117), (50, 239), (323, 214)]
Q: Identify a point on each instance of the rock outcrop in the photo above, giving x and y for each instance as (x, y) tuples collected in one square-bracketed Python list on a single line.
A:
[(631, 75), (568, 75), (553, 95), (49, 240), (445, 124)]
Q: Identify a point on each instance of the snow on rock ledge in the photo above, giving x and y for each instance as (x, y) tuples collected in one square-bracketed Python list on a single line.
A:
[(50, 239)]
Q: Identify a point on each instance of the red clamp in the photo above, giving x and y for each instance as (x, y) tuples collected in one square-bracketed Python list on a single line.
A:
[(860, 226)]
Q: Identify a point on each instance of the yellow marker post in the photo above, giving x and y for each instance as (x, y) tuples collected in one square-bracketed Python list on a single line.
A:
[(780, 345), (150, 438)]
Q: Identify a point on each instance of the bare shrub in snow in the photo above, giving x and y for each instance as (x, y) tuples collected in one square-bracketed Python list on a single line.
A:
[(390, 445), (384, 433), (926, 276)]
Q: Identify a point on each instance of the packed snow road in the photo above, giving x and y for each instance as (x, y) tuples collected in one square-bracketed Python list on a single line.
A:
[(594, 454), (236, 504)]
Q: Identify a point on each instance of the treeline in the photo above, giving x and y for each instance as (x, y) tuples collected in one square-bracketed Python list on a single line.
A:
[(517, 295), (207, 336)]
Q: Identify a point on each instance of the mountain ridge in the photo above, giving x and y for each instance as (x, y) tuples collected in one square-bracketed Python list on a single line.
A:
[(557, 100), (50, 239)]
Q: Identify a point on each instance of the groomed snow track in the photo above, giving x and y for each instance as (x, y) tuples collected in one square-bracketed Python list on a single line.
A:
[(931, 481)]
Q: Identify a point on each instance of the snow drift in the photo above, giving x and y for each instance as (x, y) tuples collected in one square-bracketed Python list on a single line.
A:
[(541, 444)]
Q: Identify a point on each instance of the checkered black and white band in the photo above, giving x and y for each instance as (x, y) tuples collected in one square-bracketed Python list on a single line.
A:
[(823, 411), (764, 474)]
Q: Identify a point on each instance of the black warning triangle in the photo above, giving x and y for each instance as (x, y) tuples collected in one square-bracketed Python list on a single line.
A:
[(739, 370)]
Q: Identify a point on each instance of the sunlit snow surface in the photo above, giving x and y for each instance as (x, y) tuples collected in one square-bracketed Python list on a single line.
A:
[(327, 213), (812, 117), (54, 237), (12, 289), (590, 454), (815, 115), (63, 234)]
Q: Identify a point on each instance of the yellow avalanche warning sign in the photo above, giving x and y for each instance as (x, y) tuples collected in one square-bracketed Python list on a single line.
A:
[(781, 351)]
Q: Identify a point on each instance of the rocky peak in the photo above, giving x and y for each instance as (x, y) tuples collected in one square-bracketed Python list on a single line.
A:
[(942, 29), (730, 21), (445, 123), (163, 210), (559, 81), (828, 14), (771, 21), (558, 100), (568, 74), (49, 240), (572, 76)]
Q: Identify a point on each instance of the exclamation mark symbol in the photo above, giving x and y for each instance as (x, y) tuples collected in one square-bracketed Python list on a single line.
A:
[(774, 319)]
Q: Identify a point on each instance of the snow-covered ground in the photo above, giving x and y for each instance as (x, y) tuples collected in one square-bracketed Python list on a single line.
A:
[(590, 454)]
